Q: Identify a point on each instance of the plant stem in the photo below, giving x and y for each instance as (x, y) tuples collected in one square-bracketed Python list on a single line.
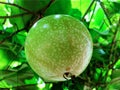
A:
[(13, 16), (101, 4), (17, 7), (87, 10), (11, 35)]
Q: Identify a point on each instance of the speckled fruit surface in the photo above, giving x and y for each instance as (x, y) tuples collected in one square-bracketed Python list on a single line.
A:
[(57, 44)]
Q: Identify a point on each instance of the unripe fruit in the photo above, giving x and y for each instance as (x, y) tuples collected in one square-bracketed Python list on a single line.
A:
[(56, 45)]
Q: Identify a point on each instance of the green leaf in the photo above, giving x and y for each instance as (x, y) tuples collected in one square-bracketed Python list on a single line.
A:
[(118, 37), (76, 13), (103, 41), (81, 5), (114, 84), (59, 7), (98, 18), (26, 87), (20, 38), (115, 73), (98, 54), (3, 11), (95, 34), (17, 21), (1, 27), (117, 64), (31, 80), (98, 74), (17, 78), (116, 7), (28, 4), (32, 5), (6, 56), (3, 85)]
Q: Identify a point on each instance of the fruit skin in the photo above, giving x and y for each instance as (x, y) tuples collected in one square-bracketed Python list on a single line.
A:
[(57, 44)]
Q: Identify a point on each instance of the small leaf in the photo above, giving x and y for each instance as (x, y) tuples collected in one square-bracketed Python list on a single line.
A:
[(3, 11), (98, 18), (117, 64), (98, 54), (20, 38), (59, 7), (114, 84), (76, 13), (115, 73)]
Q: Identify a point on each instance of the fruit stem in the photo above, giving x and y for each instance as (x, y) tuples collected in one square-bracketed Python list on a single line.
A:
[(67, 75)]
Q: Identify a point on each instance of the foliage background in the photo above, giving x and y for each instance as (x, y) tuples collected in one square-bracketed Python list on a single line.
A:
[(101, 17)]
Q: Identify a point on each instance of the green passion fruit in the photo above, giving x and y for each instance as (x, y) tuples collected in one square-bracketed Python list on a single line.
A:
[(58, 46)]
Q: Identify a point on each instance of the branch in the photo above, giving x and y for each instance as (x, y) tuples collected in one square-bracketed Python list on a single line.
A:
[(40, 13), (27, 26), (18, 7), (17, 15), (87, 10), (101, 4), (113, 42), (11, 35), (110, 66), (45, 8), (93, 11), (25, 85)]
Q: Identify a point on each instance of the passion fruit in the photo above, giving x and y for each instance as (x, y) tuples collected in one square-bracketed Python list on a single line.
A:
[(58, 47)]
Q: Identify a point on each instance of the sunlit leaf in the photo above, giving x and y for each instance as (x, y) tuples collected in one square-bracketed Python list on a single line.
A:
[(114, 84), (64, 7), (115, 73), (17, 78), (98, 53), (5, 58), (98, 17), (17, 21), (20, 38), (81, 5), (117, 64), (2, 11), (76, 13)]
